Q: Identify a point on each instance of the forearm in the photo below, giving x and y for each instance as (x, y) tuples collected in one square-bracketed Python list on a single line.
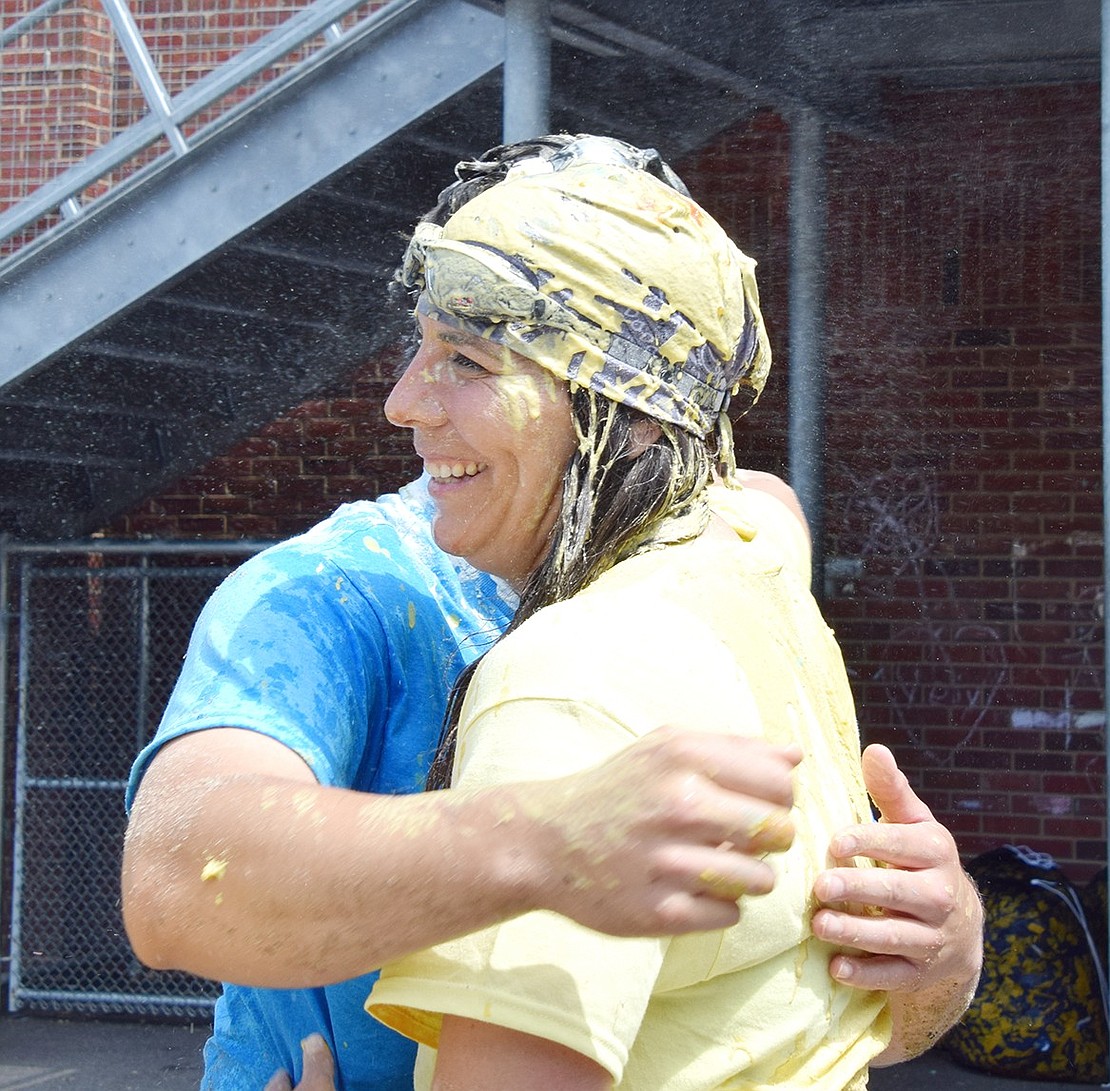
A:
[(240, 867), (249, 878), (922, 1018)]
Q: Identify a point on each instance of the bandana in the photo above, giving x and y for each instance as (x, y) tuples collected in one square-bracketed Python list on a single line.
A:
[(607, 277)]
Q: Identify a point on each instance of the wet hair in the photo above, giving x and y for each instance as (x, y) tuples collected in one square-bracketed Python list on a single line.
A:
[(620, 496), (474, 176)]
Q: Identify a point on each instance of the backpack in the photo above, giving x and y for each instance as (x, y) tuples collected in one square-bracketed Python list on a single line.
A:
[(1040, 1010)]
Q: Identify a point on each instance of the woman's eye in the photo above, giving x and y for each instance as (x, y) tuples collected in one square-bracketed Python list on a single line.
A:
[(465, 363)]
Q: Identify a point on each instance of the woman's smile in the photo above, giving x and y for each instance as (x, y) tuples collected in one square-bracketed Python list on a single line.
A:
[(445, 471), (494, 432)]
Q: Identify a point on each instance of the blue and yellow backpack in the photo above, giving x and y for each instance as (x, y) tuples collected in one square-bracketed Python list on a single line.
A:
[(1040, 1011)]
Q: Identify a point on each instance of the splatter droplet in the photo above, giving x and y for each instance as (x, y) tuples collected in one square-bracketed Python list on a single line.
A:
[(214, 869)]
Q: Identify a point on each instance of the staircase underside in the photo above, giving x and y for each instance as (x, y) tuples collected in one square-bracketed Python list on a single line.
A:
[(208, 296)]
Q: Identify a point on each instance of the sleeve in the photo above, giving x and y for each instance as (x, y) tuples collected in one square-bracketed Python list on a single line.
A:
[(282, 648), (540, 973)]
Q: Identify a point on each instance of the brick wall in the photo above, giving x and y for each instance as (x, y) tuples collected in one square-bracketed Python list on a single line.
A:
[(66, 87), (55, 96), (964, 429), (335, 448), (964, 506), (188, 38), (742, 179), (964, 511)]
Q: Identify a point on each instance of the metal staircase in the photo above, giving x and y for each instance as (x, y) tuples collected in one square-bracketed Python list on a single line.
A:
[(231, 276), (242, 267)]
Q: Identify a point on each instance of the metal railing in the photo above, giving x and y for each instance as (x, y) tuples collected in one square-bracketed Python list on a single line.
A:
[(172, 124)]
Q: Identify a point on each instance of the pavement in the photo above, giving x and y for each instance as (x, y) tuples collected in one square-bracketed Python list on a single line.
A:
[(47, 1054)]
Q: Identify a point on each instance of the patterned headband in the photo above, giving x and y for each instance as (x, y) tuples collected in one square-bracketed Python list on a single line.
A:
[(607, 277)]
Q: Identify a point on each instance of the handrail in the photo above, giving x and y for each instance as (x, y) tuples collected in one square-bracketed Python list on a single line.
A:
[(321, 18), (146, 72), (29, 21)]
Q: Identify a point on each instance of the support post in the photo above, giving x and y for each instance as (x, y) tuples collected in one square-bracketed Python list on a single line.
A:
[(527, 86), (1105, 259), (145, 71), (808, 262)]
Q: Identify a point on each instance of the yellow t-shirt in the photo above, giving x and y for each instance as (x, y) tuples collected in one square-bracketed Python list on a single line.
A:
[(721, 633)]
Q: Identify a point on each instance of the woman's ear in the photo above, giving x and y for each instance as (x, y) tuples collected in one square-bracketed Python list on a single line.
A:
[(643, 433)]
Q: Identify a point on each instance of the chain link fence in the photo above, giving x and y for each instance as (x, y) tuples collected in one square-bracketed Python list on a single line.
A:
[(94, 636)]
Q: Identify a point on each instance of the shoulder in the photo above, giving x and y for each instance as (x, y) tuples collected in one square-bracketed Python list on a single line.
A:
[(386, 550), (389, 534), (763, 508), (377, 554), (365, 532), (623, 610), (767, 484), (631, 642), (341, 590), (304, 575)]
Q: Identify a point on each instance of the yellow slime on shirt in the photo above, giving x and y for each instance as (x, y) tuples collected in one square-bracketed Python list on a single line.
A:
[(722, 632)]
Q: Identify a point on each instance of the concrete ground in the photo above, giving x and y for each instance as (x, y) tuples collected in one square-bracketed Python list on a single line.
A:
[(47, 1054)]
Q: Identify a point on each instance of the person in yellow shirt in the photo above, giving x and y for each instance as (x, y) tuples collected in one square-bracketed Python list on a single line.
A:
[(585, 325)]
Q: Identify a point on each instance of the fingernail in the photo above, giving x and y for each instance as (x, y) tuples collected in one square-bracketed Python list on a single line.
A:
[(772, 832), (845, 845), (833, 887), (733, 890), (844, 970)]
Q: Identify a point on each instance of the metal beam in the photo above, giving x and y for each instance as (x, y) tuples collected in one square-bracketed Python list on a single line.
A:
[(808, 259), (145, 71), (659, 50), (1105, 258), (130, 245), (211, 90), (526, 107), (954, 36)]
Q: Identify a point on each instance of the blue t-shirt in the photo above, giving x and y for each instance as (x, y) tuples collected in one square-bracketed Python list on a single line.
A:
[(342, 644)]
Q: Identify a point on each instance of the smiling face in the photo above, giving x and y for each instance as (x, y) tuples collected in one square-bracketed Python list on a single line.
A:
[(495, 433)]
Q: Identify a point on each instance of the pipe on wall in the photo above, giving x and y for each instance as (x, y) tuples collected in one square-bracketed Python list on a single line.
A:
[(807, 282), (1105, 259), (526, 104)]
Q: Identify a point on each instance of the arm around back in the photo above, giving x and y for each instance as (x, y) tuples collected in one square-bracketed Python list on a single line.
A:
[(240, 867), (476, 1056), (913, 927)]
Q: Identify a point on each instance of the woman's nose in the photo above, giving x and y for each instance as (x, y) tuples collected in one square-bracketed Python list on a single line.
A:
[(412, 402)]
